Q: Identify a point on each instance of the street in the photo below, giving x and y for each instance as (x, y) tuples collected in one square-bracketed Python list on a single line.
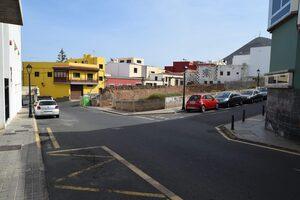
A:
[(89, 154)]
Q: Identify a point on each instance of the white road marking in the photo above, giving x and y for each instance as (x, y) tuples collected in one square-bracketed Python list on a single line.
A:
[(143, 175)]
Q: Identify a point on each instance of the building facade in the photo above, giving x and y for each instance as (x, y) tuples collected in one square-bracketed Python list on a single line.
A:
[(164, 79), (10, 61), (69, 80), (283, 81)]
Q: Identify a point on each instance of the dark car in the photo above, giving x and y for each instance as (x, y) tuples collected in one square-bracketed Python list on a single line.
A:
[(264, 92), (228, 99), (251, 96)]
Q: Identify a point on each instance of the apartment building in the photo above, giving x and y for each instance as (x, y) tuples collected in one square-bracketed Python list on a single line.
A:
[(10, 60), (70, 80)]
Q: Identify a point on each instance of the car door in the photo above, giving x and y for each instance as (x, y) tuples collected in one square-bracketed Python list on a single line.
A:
[(212, 101), (205, 101)]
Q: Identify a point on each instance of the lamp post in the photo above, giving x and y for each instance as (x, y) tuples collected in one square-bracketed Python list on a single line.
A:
[(184, 80), (29, 68), (258, 73)]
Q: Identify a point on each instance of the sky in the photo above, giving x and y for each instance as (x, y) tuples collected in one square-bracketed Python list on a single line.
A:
[(160, 31)]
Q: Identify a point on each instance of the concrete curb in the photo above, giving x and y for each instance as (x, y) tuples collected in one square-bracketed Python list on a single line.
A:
[(137, 113), (230, 134)]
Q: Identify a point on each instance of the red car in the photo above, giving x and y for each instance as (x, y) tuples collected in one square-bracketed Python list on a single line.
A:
[(201, 102)]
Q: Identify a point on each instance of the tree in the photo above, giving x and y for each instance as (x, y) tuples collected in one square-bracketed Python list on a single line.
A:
[(62, 57)]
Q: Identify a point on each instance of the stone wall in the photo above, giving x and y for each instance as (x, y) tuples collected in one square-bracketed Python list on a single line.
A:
[(283, 111), (111, 95), (139, 105)]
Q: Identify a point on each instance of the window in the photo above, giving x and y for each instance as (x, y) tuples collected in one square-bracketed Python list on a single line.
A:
[(156, 78), (152, 72), (135, 70), (219, 82), (139, 61), (60, 74), (49, 74), (128, 61), (205, 82), (100, 78), (89, 85), (76, 75), (228, 73), (36, 74), (221, 73), (237, 73), (100, 66), (121, 61), (211, 82), (90, 76), (176, 82), (279, 9)]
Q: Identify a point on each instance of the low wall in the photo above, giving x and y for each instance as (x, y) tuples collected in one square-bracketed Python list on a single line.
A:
[(139, 105), (173, 102)]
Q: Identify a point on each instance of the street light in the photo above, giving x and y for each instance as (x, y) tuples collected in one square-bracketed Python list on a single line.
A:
[(258, 73), (184, 80), (29, 69)]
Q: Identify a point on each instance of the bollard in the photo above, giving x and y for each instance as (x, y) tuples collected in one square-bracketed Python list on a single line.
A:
[(244, 115), (263, 110), (232, 122)]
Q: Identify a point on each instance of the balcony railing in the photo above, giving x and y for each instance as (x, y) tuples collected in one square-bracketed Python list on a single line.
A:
[(87, 81)]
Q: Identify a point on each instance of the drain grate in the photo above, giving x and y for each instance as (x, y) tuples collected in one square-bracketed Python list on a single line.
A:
[(10, 147)]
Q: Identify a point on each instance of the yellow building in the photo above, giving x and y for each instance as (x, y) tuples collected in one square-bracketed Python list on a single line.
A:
[(71, 79)]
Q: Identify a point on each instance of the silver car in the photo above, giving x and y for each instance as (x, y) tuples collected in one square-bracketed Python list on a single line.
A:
[(46, 108)]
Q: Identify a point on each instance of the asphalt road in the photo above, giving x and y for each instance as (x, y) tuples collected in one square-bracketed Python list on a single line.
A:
[(183, 152)]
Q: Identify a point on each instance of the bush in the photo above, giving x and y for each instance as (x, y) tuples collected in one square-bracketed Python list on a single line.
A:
[(163, 96)]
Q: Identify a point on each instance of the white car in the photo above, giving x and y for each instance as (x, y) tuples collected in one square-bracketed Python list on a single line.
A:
[(46, 108)]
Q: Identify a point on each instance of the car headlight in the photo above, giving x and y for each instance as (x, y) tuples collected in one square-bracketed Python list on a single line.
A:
[(227, 99)]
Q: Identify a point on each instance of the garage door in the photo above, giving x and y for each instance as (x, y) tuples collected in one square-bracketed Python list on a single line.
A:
[(76, 92)]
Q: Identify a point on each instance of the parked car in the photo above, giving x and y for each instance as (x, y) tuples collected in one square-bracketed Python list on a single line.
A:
[(46, 108), (228, 99), (201, 102), (264, 92), (251, 96)]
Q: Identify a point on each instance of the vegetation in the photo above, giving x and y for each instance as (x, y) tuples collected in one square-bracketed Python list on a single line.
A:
[(163, 96), (62, 57)]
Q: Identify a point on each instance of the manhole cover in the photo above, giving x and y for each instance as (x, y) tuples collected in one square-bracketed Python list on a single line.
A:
[(10, 147)]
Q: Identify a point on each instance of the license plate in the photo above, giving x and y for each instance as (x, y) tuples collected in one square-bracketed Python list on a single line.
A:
[(192, 102)]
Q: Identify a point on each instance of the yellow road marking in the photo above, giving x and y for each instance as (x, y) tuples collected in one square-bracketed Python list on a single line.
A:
[(143, 175), (92, 189), (252, 144), (36, 133), (53, 139), (76, 173), (77, 155), (76, 149)]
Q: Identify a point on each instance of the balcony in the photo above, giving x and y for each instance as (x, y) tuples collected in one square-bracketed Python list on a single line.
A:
[(73, 81)]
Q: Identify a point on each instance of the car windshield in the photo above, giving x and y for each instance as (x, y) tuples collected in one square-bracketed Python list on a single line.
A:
[(263, 89), (44, 98), (223, 95), (194, 98), (247, 92), (47, 103)]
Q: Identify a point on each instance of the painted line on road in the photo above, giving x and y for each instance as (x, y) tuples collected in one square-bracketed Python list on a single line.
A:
[(76, 149), (53, 139), (36, 133), (256, 145), (76, 173), (125, 192), (148, 118), (143, 175), (77, 155)]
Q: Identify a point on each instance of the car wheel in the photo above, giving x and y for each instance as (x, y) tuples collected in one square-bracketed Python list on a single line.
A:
[(228, 105), (203, 109), (251, 101), (241, 102), (217, 106)]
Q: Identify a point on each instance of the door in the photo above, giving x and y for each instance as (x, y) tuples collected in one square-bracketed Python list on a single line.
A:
[(6, 88), (76, 92)]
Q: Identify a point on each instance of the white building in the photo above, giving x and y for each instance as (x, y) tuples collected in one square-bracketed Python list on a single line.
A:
[(259, 58), (231, 73), (131, 68), (10, 61), (164, 79)]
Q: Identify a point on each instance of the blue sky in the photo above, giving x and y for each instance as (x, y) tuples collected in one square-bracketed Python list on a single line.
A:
[(158, 30)]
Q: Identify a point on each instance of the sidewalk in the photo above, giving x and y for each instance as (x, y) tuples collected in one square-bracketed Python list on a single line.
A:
[(253, 130), (21, 164), (152, 112)]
